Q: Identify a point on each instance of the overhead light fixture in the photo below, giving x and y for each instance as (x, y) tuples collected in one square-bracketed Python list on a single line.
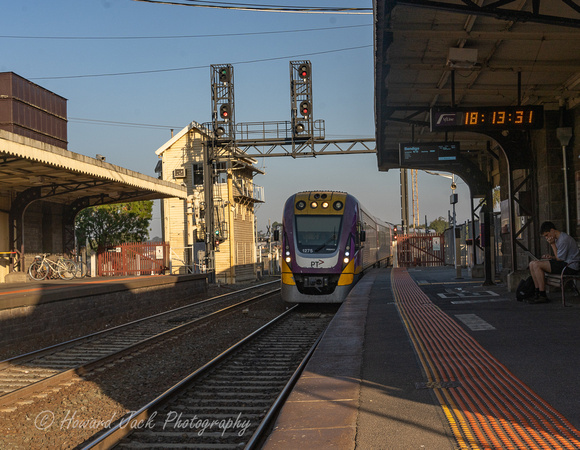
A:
[(36, 179), (462, 58), (564, 135)]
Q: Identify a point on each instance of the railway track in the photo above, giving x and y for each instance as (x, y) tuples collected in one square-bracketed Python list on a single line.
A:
[(229, 402), (25, 375)]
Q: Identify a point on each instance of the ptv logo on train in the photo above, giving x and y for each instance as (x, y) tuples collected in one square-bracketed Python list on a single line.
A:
[(316, 264)]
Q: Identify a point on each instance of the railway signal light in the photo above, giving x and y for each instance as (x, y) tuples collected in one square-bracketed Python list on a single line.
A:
[(305, 108), (304, 71), (220, 131), (225, 111), (217, 237), (225, 75), (394, 233), (299, 128)]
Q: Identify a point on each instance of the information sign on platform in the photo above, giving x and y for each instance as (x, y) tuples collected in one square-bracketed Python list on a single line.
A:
[(428, 153), (436, 243)]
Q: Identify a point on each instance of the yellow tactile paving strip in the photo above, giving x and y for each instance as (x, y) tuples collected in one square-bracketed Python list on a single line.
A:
[(486, 405)]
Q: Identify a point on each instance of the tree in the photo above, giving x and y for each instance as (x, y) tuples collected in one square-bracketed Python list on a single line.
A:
[(439, 225), (114, 224)]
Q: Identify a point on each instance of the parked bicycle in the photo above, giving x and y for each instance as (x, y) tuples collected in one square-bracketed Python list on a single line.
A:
[(82, 269), (43, 267)]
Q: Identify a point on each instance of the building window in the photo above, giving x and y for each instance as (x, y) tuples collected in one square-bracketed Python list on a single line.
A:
[(220, 172), (198, 174)]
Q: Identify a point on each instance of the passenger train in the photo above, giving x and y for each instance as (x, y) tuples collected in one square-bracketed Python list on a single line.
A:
[(328, 241)]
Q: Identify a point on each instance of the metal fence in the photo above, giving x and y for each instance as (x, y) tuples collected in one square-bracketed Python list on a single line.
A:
[(471, 251), (134, 259), (421, 250)]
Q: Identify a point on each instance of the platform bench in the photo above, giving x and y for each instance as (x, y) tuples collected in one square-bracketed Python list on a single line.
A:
[(561, 281)]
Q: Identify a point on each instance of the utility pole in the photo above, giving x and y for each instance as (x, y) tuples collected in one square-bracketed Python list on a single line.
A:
[(404, 202), (415, 196), (208, 214), (456, 234), (564, 135), (270, 262)]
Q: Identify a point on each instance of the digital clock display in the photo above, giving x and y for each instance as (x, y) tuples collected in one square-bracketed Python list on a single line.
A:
[(487, 118)]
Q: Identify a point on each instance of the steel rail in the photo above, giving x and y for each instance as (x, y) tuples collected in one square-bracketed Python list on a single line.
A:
[(120, 429), (139, 420), (272, 413), (60, 346), (84, 368)]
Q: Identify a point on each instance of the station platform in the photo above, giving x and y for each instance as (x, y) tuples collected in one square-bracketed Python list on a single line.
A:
[(41, 313), (13, 295), (416, 358)]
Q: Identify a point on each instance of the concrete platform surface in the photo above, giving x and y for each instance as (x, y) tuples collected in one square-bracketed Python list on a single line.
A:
[(366, 387)]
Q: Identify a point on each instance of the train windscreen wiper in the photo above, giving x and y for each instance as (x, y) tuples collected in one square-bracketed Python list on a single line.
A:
[(328, 241)]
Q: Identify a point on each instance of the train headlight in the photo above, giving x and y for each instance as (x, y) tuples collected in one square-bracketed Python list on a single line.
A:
[(314, 205), (346, 260), (300, 205), (288, 259), (346, 253), (325, 205), (337, 205), (287, 253)]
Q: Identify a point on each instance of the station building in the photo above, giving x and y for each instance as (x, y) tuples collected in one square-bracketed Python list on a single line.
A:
[(43, 185), (234, 197)]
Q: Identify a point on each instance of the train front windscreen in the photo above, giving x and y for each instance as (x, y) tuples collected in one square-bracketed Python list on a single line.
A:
[(317, 234)]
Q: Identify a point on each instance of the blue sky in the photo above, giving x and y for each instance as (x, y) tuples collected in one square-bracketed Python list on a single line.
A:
[(74, 47)]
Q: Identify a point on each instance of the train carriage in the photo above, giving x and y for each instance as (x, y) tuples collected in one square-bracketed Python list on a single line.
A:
[(328, 241)]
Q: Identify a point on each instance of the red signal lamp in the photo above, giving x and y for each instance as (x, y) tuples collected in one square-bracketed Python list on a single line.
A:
[(305, 108), (225, 111), (304, 71)]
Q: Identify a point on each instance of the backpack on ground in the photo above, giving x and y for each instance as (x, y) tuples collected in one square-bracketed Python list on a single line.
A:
[(525, 289)]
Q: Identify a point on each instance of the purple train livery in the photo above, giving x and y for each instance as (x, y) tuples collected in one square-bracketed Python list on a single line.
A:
[(328, 241)]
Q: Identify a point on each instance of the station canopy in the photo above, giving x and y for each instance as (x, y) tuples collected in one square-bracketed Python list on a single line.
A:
[(469, 54), (34, 170)]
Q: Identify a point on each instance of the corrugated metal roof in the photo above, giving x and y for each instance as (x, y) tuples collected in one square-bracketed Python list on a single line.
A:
[(26, 163), (414, 68)]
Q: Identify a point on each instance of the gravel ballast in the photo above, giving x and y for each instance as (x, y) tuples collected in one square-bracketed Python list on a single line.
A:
[(73, 413)]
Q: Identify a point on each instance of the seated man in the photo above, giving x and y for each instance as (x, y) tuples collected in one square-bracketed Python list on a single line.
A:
[(566, 251)]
